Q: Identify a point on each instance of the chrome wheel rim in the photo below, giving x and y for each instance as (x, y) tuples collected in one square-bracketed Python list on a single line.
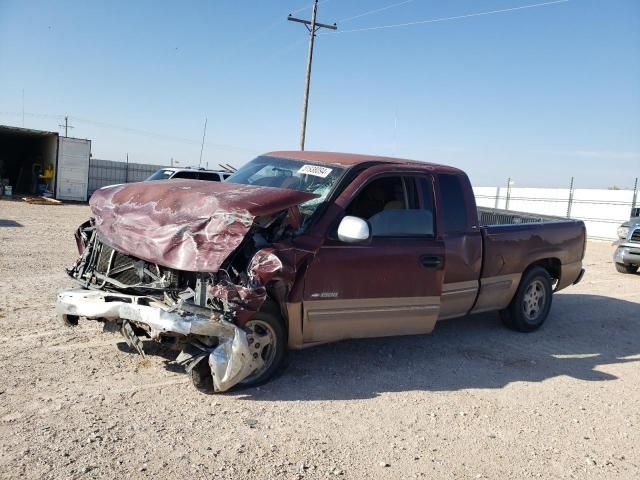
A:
[(533, 301), (262, 344)]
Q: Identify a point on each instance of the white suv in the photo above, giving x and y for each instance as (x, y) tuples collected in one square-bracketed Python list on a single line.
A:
[(192, 173)]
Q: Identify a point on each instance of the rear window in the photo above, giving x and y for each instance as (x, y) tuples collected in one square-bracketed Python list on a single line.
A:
[(453, 206)]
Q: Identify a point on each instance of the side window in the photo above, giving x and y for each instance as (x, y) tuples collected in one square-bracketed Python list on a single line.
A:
[(391, 206), (386, 193), (212, 177), (186, 174), (453, 207)]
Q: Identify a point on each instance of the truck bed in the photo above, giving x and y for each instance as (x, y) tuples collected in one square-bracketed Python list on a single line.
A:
[(513, 241), (496, 216)]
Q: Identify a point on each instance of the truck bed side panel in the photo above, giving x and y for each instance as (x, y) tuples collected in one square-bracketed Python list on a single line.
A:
[(508, 250)]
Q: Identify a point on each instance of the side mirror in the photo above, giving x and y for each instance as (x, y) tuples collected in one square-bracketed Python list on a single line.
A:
[(353, 230)]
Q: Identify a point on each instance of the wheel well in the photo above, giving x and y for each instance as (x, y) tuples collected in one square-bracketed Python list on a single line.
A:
[(553, 266)]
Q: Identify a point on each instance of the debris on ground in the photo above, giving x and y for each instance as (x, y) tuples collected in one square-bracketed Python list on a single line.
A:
[(41, 201)]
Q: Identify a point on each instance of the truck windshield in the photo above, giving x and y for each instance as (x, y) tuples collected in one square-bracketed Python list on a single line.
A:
[(319, 179), (161, 174)]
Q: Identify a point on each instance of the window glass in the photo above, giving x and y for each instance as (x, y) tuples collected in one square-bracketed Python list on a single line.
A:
[(186, 174), (453, 206), (386, 193), (412, 193), (319, 179), (161, 175), (383, 202), (211, 176), (401, 223), (425, 186)]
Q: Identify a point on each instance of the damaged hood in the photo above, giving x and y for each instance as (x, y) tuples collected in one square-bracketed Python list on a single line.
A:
[(190, 225)]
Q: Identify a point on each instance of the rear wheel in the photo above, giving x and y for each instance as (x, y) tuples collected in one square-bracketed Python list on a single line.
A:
[(624, 268), (530, 307)]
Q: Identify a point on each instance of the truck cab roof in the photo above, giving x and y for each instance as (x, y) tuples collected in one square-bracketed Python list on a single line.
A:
[(353, 159)]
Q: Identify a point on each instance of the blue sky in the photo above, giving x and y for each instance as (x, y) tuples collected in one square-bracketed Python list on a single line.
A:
[(537, 94)]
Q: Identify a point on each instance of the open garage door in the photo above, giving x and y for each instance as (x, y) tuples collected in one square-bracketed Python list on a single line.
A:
[(73, 169)]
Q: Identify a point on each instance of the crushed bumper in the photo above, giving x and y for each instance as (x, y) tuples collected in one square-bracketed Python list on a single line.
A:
[(230, 359)]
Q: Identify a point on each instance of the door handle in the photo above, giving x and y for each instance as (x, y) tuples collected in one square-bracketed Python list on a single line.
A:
[(431, 261)]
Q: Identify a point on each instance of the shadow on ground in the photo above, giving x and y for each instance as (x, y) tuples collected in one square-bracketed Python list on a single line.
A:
[(582, 333), (9, 223)]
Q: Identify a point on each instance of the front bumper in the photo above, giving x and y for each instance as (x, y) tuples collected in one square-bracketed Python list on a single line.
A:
[(144, 311), (231, 359), (628, 254)]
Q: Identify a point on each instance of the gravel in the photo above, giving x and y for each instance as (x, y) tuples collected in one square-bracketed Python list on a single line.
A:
[(471, 400)]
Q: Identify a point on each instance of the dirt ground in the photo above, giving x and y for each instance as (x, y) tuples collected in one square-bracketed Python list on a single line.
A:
[(472, 400)]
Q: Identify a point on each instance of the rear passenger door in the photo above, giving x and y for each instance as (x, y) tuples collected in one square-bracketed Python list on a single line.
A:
[(389, 286)]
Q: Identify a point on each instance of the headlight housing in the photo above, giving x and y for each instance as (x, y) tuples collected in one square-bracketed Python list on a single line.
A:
[(623, 232)]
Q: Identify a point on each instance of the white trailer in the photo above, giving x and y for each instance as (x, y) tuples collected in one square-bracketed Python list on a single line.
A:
[(73, 169), (29, 158)]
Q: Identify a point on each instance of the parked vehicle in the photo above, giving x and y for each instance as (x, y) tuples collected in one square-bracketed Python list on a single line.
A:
[(302, 248), (191, 173), (627, 254)]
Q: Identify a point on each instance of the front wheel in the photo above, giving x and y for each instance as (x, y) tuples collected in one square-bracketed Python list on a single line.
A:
[(624, 268), (530, 307), (268, 341)]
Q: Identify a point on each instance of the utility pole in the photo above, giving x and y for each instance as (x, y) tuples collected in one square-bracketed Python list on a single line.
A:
[(312, 26), (204, 133), (506, 203), (66, 126), (570, 202)]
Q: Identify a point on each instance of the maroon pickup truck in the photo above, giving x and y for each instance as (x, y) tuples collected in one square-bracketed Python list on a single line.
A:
[(302, 248)]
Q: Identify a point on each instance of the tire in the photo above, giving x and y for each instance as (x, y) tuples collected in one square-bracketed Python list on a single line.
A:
[(269, 326), (624, 268), (201, 376), (530, 307), (262, 325)]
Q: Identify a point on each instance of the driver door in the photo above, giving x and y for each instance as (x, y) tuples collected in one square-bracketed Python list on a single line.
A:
[(390, 285)]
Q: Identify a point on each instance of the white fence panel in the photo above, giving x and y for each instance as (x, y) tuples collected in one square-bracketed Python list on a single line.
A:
[(601, 210)]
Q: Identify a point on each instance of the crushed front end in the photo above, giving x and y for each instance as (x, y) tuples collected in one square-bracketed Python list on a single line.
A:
[(197, 313), (210, 276)]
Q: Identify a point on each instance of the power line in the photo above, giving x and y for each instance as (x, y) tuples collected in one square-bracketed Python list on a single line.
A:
[(371, 12), (279, 53), (457, 17), (304, 8), (231, 51)]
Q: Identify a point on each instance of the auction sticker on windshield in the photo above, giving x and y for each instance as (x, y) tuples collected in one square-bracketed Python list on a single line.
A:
[(315, 170)]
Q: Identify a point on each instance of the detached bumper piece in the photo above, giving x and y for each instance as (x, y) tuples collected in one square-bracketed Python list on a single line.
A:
[(224, 343)]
